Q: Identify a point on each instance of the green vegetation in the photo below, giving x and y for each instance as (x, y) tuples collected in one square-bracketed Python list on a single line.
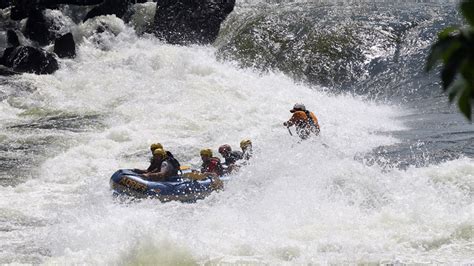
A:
[(455, 48)]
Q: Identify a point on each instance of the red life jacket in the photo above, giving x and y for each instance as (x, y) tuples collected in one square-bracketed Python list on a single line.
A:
[(213, 166)]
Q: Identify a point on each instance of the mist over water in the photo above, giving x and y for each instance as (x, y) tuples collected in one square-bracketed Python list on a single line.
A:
[(322, 201)]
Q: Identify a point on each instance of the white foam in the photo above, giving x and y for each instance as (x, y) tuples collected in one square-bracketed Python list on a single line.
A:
[(298, 203)]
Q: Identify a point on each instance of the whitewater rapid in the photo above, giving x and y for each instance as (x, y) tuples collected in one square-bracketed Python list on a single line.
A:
[(295, 203)]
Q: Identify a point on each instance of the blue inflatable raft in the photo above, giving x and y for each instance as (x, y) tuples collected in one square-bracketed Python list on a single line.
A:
[(181, 188)]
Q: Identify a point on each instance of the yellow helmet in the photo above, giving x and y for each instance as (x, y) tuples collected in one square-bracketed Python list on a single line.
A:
[(206, 152), (245, 143), (160, 152), (155, 146)]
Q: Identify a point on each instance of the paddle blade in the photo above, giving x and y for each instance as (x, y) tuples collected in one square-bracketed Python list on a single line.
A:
[(184, 167), (195, 176)]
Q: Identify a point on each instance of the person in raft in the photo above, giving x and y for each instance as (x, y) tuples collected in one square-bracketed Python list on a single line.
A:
[(169, 166), (304, 121), (211, 166), (155, 165), (246, 146), (231, 157)]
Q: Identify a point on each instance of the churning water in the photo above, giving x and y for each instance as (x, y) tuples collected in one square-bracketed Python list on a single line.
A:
[(383, 184)]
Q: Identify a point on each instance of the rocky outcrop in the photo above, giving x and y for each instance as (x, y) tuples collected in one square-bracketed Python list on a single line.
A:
[(18, 59), (190, 21), (22, 8), (176, 21), (29, 59)]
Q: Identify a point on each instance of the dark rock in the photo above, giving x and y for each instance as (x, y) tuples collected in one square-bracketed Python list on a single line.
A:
[(6, 54), (95, 12), (190, 21), (73, 2), (5, 71), (12, 38), (44, 26), (30, 59), (22, 8), (110, 7), (37, 28), (65, 47), (5, 3)]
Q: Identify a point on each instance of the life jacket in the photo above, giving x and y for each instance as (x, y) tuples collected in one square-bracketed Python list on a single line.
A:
[(233, 157), (309, 118), (173, 162), (217, 166), (305, 124), (312, 123)]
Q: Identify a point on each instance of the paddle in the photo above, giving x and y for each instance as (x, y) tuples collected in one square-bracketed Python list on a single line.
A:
[(184, 167), (194, 175)]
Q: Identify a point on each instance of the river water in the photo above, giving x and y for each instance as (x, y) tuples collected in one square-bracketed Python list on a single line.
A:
[(390, 179)]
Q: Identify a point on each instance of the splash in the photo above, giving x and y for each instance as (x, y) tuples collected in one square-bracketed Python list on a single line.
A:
[(295, 203)]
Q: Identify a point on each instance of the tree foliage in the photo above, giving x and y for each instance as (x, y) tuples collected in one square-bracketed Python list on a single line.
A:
[(455, 49)]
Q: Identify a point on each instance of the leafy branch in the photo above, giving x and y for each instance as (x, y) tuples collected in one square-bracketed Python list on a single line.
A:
[(455, 49)]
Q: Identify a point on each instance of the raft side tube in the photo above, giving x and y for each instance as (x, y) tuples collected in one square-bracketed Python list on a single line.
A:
[(127, 182)]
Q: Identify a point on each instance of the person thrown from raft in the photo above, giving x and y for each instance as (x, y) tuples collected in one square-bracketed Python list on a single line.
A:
[(155, 165), (168, 166), (211, 166), (306, 122), (231, 157)]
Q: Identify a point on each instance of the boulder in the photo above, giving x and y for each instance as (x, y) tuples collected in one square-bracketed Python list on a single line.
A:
[(43, 26), (12, 38), (21, 9), (37, 28), (30, 59), (5, 3), (112, 7), (65, 47), (190, 21)]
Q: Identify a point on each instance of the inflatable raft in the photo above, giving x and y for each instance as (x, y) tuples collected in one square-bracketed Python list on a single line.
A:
[(182, 188)]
